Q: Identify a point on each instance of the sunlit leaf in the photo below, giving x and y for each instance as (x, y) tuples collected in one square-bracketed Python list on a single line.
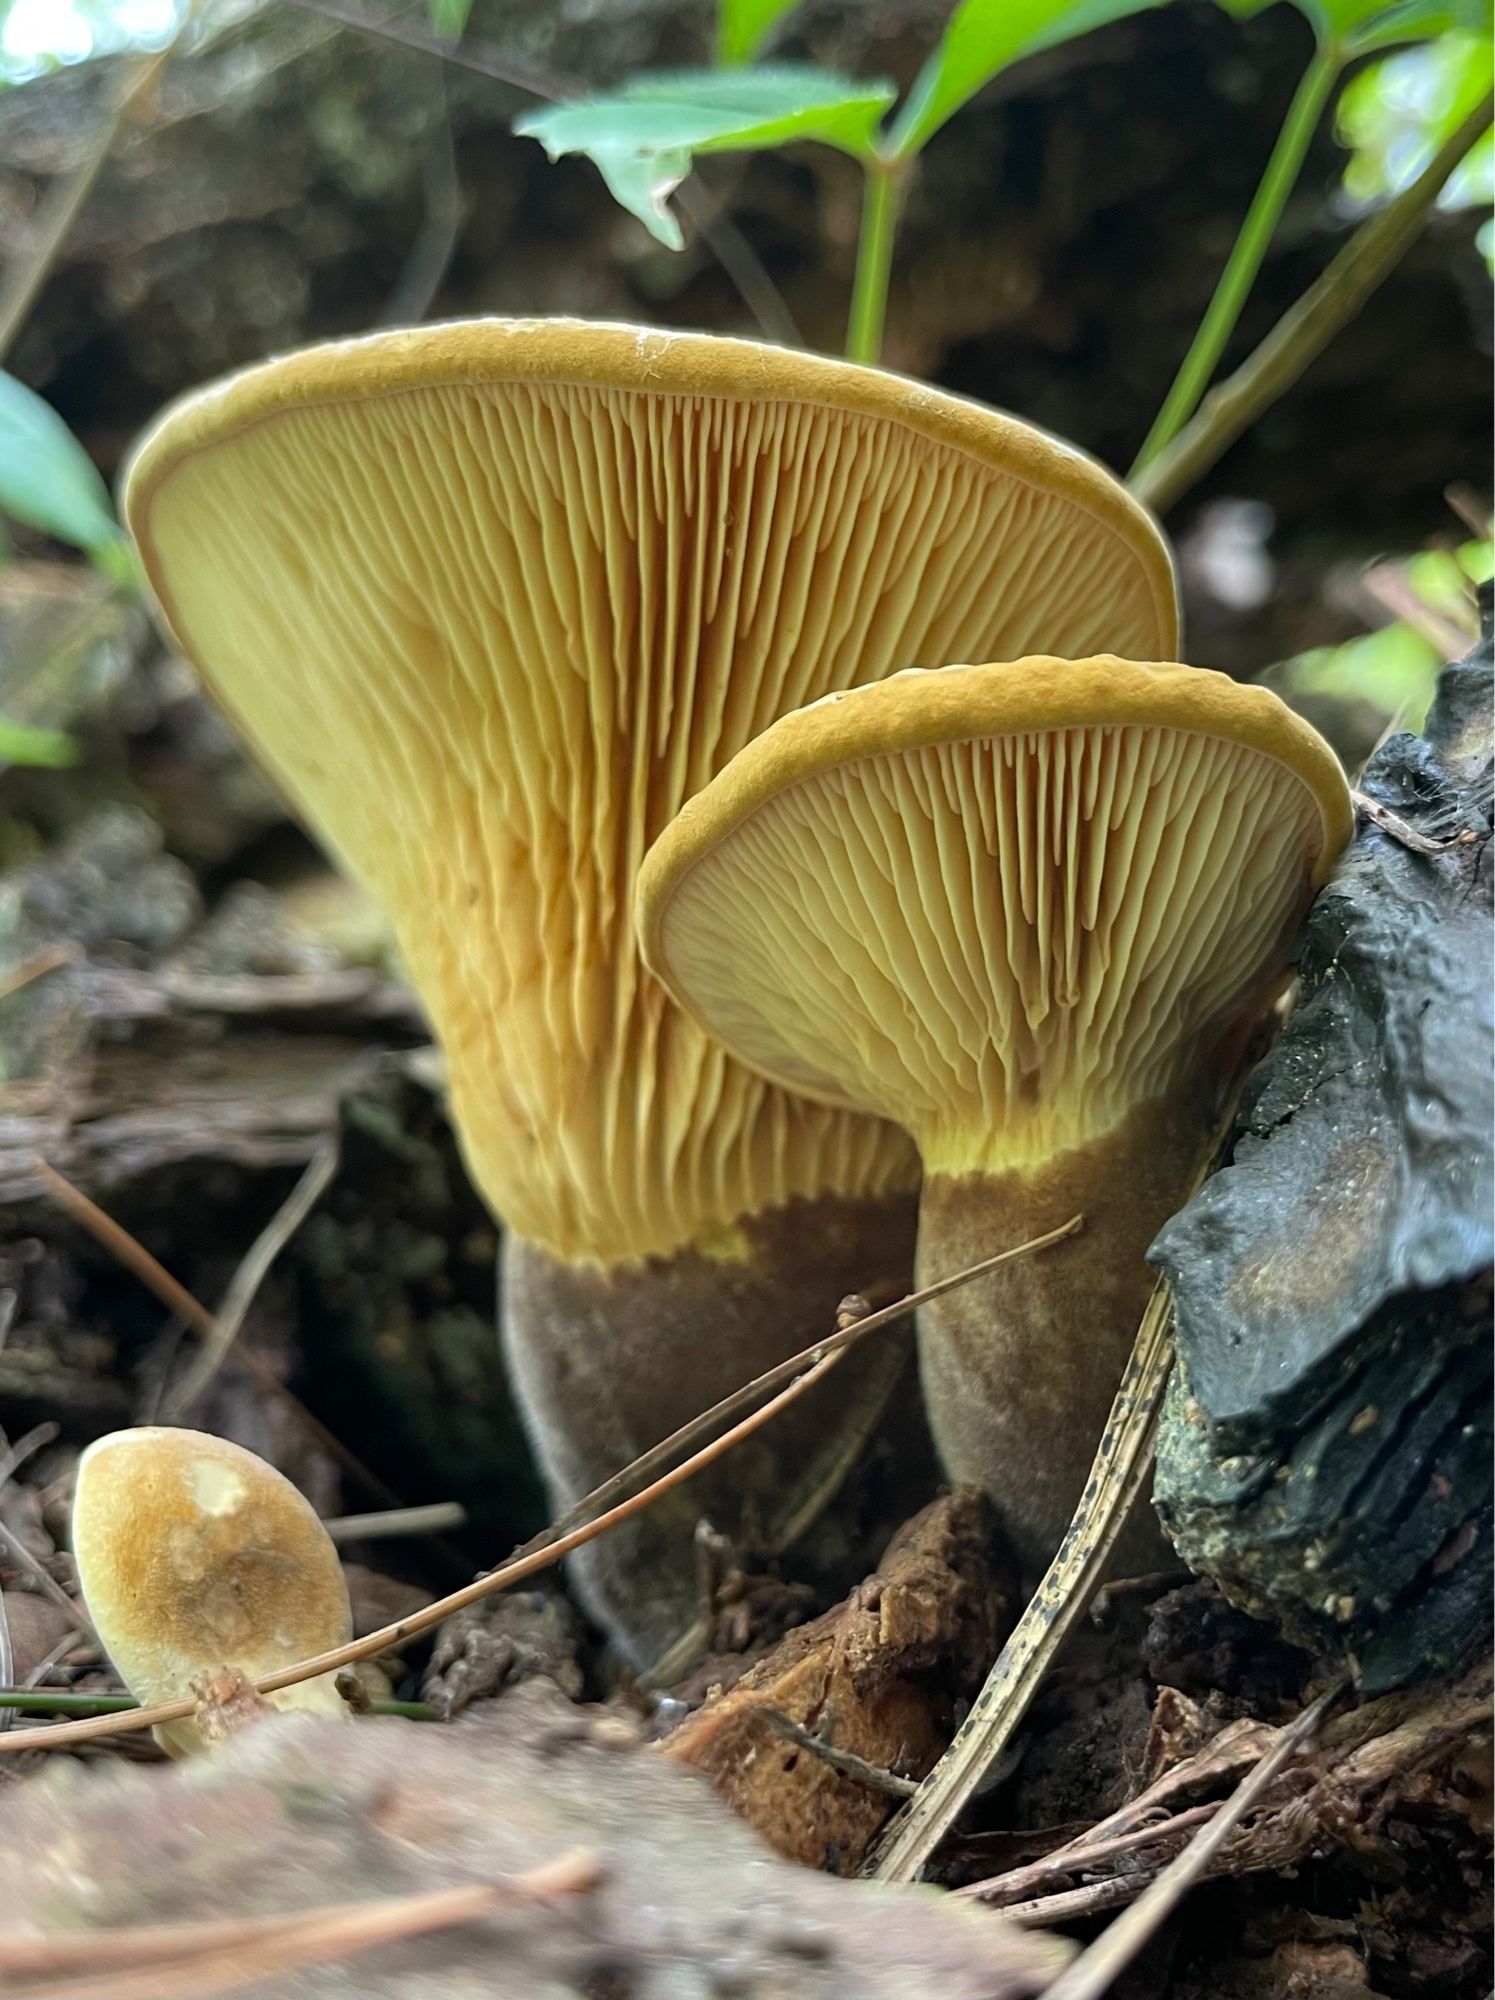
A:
[(449, 17), (1361, 26), (1397, 113), (47, 479), (643, 137), (50, 749), (1395, 670), (985, 37), (743, 26)]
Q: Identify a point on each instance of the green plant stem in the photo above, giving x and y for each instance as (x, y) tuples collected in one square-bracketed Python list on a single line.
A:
[(55, 1701), (882, 192), (1306, 329), (1256, 233)]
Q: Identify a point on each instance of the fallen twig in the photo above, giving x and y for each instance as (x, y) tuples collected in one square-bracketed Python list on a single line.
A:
[(219, 1336), (845, 1761), (184, 1961), (1303, 332), (434, 1518), (177, 1299), (48, 958), (1405, 835), (548, 1548), (1093, 1972), (1122, 1467)]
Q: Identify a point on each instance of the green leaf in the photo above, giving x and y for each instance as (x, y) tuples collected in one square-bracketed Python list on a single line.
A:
[(743, 26), (985, 37), (643, 137), (1360, 26), (449, 17), (1397, 113), (47, 479), (52, 749), (1395, 669)]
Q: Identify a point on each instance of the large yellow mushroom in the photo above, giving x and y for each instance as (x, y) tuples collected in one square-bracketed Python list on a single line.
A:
[(1025, 911), (491, 601)]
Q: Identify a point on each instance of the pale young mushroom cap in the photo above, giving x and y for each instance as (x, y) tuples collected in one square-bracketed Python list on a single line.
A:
[(195, 1555), (492, 600), (1001, 905)]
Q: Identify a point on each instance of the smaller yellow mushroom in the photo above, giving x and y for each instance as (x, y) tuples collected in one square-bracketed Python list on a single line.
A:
[(195, 1557)]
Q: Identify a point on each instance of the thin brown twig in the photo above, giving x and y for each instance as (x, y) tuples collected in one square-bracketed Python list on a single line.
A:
[(434, 1518), (50, 958), (1307, 327), (1091, 1975), (318, 1936), (254, 1267), (847, 1333), (1397, 829), (1080, 1855), (874, 1776), (39, 1574), (154, 1946), (177, 1299), (548, 1548)]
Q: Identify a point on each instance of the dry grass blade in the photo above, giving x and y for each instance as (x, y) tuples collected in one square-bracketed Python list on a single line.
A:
[(176, 1298), (1092, 1973), (220, 1335), (1122, 1467), (548, 1549)]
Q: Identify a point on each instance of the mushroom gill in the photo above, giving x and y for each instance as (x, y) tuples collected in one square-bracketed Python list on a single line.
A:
[(1026, 912), (490, 602)]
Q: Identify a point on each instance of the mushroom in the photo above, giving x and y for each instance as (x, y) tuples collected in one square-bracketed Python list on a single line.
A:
[(195, 1557), (491, 601), (1028, 911)]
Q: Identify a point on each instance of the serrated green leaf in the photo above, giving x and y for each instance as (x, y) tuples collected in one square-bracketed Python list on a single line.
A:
[(643, 137), (47, 479), (449, 17), (47, 749), (743, 26), (985, 37)]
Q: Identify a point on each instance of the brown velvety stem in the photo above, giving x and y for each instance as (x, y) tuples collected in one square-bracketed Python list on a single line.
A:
[(1019, 1368), (606, 1362)]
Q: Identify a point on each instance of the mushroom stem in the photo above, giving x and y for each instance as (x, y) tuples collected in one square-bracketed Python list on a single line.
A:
[(608, 1360), (1019, 1368)]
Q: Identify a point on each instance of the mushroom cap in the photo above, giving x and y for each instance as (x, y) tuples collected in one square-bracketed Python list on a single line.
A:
[(492, 600), (195, 1555), (1002, 905)]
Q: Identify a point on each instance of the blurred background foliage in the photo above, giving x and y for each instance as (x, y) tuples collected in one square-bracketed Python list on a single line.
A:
[(1402, 612)]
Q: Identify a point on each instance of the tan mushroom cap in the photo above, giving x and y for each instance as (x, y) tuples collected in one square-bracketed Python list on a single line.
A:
[(195, 1555), (492, 600), (1001, 905)]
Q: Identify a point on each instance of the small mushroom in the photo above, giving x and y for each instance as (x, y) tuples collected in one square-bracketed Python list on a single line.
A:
[(1029, 912), (197, 1559), (491, 601)]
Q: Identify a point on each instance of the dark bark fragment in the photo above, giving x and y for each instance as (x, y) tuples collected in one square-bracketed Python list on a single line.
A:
[(1326, 1446)]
